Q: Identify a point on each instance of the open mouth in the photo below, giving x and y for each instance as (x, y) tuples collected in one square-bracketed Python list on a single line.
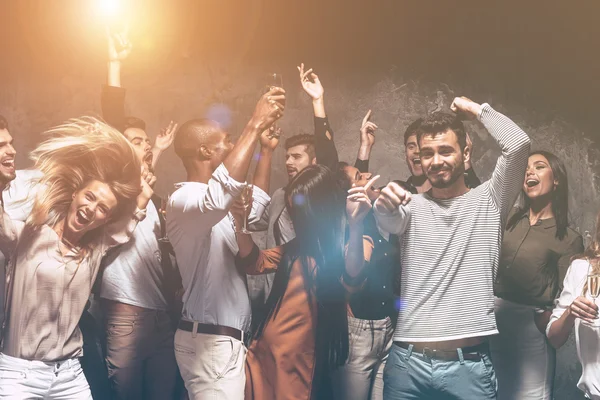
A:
[(8, 163), (291, 171), (148, 158), (417, 161), (81, 218), (531, 183)]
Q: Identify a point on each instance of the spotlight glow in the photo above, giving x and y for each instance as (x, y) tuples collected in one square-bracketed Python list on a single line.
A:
[(108, 8)]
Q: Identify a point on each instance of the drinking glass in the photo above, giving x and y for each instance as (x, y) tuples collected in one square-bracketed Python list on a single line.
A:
[(593, 284), (247, 202), (164, 202)]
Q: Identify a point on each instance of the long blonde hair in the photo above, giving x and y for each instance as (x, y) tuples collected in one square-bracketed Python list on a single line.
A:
[(77, 152)]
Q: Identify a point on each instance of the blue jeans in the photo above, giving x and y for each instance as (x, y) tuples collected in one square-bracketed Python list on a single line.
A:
[(411, 375)]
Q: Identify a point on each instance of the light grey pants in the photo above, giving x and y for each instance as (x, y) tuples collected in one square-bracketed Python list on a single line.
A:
[(523, 359), (25, 379), (362, 376)]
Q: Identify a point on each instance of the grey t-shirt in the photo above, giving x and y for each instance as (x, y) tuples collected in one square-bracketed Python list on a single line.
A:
[(133, 273)]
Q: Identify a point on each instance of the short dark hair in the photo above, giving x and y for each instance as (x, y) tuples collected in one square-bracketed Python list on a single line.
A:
[(133, 122), (191, 135), (412, 129), (439, 122), (3, 122), (302, 139)]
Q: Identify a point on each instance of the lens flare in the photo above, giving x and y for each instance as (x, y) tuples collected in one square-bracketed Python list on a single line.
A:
[(298, 200), (220, 113)]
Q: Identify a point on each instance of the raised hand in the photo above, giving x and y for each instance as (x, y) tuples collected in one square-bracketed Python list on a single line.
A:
[(269, 139), (466, 107), (311, 83), (119, 46), (165, 137), (269, 108), (367, 131), (358, 203), (148, 181), (391, 197), (240, 210), (584, 308)]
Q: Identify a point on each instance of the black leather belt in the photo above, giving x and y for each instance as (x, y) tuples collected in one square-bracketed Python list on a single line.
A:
[(212, 329), (471, 353)]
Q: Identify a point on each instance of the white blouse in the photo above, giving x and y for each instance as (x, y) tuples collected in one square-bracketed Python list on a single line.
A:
[(587, 337)]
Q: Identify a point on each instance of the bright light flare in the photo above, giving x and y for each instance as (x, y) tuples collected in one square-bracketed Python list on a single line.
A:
[(108, 8)]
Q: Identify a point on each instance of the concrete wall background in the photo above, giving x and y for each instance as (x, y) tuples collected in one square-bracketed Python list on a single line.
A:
[(401, 59)]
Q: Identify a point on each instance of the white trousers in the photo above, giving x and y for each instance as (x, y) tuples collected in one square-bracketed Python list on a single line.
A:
[(23, 379), (361, 378), (212, 366), (523, 359)]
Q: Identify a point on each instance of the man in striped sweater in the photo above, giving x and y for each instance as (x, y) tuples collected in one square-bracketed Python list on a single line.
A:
[(450, 241)]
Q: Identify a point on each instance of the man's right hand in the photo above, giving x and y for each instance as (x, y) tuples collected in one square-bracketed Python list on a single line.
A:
[(391, 197), (466, 107), (367, 131), (269, 108), (119, 46)]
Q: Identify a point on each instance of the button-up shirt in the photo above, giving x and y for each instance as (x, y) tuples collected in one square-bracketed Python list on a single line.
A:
[(533, 261), (202, 233)]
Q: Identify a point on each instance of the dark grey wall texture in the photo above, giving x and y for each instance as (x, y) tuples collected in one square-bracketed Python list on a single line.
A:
[(535, 61)]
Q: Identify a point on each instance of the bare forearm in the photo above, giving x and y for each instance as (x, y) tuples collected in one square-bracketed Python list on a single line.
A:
[(156, 153), (238, 161), (319, 108), (262, 175), (114, 73), (561, 329), (364, 152), (355, 257)]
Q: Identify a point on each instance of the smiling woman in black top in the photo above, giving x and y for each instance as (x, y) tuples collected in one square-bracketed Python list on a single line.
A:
[(536, 252)]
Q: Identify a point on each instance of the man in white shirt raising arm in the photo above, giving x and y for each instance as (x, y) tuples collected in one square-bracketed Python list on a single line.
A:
[(450, 241), (209, 342)]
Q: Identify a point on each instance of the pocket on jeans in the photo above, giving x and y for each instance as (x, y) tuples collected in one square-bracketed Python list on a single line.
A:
[(397, 359), (179, 349), (119, 329), (488, 371), (11, 374), (225, 355)]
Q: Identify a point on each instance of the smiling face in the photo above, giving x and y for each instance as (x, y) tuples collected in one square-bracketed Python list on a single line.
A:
[(413, 159), (539, 177), (141, 143), (7, 157), (92, 206), (442, 158)]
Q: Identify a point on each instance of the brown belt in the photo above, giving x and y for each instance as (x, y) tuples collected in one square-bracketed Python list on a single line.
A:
[(471, 353), (188, 326)]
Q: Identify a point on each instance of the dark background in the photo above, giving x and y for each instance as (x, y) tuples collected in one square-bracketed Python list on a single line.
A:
[(536, 61)]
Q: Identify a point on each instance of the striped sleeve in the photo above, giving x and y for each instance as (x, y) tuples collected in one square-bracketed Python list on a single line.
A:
[(507, 178)]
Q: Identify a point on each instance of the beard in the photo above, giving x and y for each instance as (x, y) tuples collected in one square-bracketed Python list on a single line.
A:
[(6, 177), (456, 173)]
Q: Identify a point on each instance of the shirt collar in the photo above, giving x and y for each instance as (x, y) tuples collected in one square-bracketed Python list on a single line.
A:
[(544, 223)]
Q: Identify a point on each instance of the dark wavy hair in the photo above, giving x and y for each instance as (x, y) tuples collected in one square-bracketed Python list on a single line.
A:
[(319, 216), (560, 196)]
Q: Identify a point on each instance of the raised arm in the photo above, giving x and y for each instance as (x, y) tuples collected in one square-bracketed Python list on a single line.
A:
[(325, 150), (112, 100), (507, 178), (162, 142), (269, 109), (367, 140), (391, 209)]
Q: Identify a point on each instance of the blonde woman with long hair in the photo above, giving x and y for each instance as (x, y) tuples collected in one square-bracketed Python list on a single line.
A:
[(577, 308), (92, 195)]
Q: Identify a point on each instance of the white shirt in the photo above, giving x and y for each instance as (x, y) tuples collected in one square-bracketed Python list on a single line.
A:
[(203, 237), (134, 273), (587, 338)]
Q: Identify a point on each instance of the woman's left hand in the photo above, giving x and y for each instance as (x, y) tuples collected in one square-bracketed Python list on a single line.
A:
[(358, 203)]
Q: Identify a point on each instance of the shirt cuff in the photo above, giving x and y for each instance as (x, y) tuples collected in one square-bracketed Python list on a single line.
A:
[(229, 184), (139, 215), (260, 196)]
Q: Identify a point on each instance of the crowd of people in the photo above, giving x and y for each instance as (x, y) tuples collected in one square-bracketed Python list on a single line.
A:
[(433, 287)]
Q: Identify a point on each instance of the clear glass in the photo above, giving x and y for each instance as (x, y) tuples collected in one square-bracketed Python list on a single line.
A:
[(247, 201), (164, 202), (593, 285)]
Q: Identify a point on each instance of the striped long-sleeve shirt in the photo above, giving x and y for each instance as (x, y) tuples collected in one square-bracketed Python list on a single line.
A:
[(450, 248)]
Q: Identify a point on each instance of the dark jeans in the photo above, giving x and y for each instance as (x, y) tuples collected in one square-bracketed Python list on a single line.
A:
[(92, 362), (140, 355)]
